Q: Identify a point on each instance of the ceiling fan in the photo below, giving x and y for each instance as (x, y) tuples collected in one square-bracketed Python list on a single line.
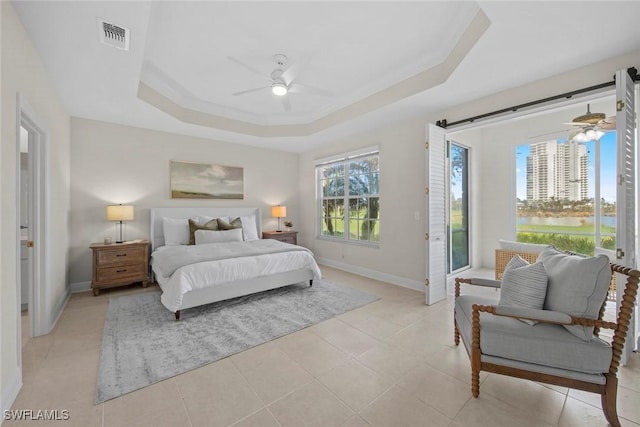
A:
[(282, 81), (590, 126)]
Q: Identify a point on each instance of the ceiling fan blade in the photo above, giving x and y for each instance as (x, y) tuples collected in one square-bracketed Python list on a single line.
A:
[(293, 71), (607, 124), (247, 67), (297, 87), (286, 104), (577, 124), (250, 90)]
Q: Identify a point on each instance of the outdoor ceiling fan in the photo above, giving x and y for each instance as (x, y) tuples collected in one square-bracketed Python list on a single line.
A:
[(590, 126), (282, 81)]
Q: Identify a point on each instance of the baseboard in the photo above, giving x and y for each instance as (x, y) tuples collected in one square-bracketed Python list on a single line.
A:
[(80, 287), (10, 393), (58, 309), (373, 274)]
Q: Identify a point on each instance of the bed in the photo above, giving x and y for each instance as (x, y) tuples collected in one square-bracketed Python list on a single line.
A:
[(187, 284)]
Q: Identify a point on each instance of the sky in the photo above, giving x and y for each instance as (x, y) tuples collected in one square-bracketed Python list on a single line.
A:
[(607, 165)]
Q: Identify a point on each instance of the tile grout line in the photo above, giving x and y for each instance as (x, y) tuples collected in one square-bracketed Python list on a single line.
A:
[(184, 406)]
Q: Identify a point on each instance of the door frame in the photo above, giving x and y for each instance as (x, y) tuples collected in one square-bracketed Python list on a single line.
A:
[(38, 232)]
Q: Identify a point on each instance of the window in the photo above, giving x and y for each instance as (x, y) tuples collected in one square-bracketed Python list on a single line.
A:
[(458, 226), (349, 197), (567, 194)]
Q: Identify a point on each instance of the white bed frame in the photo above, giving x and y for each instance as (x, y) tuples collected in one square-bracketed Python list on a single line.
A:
[(230, 289)]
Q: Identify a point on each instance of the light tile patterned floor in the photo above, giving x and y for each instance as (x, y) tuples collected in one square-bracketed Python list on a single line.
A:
[(391, 363)]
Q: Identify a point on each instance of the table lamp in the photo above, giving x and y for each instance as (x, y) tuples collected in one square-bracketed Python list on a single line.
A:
[(120, 213), (278, 212)]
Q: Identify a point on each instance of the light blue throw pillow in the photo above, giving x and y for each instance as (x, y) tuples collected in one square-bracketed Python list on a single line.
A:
[(577, 286), (523, 285)]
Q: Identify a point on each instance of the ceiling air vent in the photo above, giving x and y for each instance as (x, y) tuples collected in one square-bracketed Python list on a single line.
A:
[(113, 35)]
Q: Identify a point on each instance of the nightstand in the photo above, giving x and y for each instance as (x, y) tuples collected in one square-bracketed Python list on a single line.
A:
[(283, 236), (120, 264)]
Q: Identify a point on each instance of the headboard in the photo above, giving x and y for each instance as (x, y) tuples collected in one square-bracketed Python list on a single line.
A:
[(156, 214)]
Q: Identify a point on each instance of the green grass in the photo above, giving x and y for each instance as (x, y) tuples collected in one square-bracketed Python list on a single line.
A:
[(566, 242), (566, 229), (338, 227)]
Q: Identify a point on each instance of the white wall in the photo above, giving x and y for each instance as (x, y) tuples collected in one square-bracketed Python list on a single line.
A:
[(23, 72), (113, 164)]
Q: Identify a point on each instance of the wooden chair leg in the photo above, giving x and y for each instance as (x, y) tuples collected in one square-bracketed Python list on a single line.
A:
[(475, 382), (456, 333), (609, 401), (475, 351)]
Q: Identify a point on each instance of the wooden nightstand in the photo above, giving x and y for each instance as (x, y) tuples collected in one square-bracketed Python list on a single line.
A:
[(283, 236), (120, 264)]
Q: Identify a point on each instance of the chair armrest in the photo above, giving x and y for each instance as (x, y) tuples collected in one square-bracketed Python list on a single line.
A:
[(544, 316), (490, 283), (485, 282)]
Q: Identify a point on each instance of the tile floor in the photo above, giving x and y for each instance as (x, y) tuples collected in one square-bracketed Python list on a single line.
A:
[(391, 363)]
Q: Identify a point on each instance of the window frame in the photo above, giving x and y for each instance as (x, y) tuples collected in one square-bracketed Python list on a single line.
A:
[(344, 159), (467, 185)]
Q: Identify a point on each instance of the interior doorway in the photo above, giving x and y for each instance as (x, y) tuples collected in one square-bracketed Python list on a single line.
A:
[(32, 209), (23, 216)]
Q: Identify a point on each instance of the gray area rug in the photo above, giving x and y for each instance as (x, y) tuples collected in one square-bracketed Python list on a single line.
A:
[(143, 344)]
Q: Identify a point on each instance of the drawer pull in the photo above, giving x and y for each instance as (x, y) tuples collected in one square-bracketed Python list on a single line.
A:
[(121, 254), (121, 271)]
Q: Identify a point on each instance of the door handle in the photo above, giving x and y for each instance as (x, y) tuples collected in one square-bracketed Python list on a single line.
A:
[(29, 243)]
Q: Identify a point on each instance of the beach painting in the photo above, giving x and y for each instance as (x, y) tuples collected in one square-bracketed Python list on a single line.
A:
[(206, 181)]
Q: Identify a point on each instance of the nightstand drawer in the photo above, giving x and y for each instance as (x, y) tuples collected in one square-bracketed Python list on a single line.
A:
[(121, 256), (121, 273), (288, 239), (284, 236)]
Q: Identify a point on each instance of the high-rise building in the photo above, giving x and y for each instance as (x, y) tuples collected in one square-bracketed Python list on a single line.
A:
[(557, 170)]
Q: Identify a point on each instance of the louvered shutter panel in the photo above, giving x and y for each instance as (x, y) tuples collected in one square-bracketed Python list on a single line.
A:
[(436, 237)]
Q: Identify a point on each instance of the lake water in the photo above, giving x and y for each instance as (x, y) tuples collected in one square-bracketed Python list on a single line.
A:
[(570, 221)]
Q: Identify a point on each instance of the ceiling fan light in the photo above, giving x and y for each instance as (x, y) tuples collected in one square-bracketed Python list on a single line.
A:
[(580, 137), (279, 89)]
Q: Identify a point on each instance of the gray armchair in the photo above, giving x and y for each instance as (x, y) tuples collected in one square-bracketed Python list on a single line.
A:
[(560, 344)]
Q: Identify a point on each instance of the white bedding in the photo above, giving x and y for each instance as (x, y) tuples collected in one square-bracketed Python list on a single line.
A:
[(211, 273)]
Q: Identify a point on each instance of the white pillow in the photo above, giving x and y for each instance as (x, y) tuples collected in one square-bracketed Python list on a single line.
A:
[(222, 236), (249, 228), (534, 248), (176, 231)]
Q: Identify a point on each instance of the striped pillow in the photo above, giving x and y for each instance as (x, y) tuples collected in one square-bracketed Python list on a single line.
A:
[(523, 285)]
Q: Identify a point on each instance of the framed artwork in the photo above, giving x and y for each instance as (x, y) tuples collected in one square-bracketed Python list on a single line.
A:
[(205, 181)]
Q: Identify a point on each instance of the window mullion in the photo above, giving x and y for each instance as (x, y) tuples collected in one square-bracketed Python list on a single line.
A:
[(345, 200)]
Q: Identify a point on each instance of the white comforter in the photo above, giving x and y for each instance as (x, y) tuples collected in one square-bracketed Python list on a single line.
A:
[(201, 274)]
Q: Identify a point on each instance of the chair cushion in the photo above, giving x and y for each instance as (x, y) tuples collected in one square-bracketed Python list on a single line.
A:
[(523, 285), (542, 344), (577, 286)]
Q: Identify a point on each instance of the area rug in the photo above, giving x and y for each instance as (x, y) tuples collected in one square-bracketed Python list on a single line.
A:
[(143, 344)]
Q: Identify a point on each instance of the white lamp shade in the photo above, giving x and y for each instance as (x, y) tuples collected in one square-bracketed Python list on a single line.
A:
[(278, 211), (120, 213)]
